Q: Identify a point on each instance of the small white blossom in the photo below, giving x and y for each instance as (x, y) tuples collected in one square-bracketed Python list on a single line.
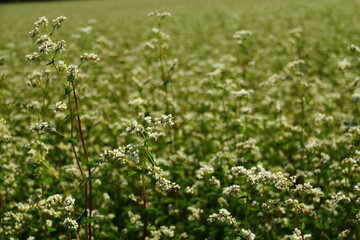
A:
[(224, 216), (57, 22), (164, 184), (70, 224), (69, 203), (73, 71), (90, 57), (248, 234), (60, 106)]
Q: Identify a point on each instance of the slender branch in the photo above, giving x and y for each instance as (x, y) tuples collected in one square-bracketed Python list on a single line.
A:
[(144, 205), (90, 203)]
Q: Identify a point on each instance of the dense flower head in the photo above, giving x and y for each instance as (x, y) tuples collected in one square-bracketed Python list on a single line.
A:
[(224, 216), (69, 203), (57, 22), (91, 57), (35, 56), (40, 126), (73, 71), (71, 224), (159, 15), (43, 21), (164, 184)]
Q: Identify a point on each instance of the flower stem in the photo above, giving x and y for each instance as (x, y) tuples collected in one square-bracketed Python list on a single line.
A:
[(90, 203), (144, 205)]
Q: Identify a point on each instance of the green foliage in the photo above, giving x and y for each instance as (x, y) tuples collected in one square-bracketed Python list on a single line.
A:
[(227, 119)]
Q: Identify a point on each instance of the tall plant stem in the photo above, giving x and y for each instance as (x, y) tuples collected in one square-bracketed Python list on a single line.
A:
[(72, 144), (144, 205), (90, 203), (78, 162)]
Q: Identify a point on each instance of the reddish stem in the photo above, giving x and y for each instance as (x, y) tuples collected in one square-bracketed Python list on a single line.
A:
[(86, 156), (144, 205)]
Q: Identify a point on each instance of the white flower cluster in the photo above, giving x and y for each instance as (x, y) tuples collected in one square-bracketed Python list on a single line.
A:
[(73, 171), (241, 35), (150, 126), (233, 190), (60, 46), (307, 188), (40, 126), (73, 71), (299, 207), (57, 22), (122, 154), (243, 93), (254, 175), (47, 206), (35, 56), (60, 107), (45, 44), (54, 199), (137, 102), (37, 151), (164, 184), (132, 152), (113, 155), (43, 21), (205, 169), (298, 235), (195, 213), (258, 174), (135, 128), (164, 231), (271, 204), (90, 57), (344, 64), (248, 234), (158, 15), (340, 196), (294, 64), (62, 66), (224, 216), (69, 203), (249, 145), (5, 135), (165, 120), (36, 78), (71, 224), (213, 180), (344, 234), (135, 219), (354, 48), (313, 144)]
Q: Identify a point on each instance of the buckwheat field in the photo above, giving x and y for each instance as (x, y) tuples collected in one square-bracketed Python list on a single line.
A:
[(183, 119)]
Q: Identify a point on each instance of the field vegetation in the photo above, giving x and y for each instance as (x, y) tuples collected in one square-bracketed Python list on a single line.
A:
[(184, 119)]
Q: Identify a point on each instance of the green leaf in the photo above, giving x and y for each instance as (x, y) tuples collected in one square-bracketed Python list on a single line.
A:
[(93, 162), (200, 229), (48, 180), (51, 229), (150, 209), (132, 173), (52, 61), (74, 115), (89, 220), (68, 90), (86, 180), (83, 215), (150, 157), (70, 140)]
